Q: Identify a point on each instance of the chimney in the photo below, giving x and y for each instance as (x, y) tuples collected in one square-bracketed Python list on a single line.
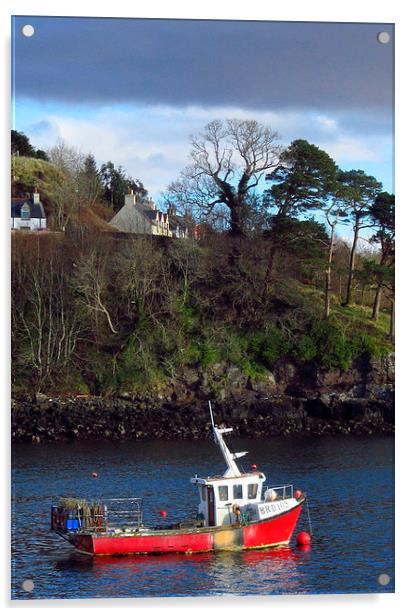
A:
[(151, 204), (130, 198), (172, 210), (36, 198)]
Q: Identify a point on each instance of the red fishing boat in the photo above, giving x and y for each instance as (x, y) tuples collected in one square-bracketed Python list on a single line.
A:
[(236, 512)]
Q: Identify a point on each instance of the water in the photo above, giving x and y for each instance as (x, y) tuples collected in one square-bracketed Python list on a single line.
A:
[(349, 480)]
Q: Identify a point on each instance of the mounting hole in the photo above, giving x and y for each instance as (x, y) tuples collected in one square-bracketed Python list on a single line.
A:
[(384, 37), (28, 585), (384, 579), (27, 30)]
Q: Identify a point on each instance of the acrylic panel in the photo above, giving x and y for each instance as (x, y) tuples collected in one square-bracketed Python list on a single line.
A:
[(202, 257)]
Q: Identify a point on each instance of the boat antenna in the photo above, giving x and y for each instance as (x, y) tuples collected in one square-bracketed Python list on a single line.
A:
[(211, 414), (232, 468)]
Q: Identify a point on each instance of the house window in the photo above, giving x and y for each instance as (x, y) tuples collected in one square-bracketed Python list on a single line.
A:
[(238, 491), (223, 493), (252, 490), (25, 212)]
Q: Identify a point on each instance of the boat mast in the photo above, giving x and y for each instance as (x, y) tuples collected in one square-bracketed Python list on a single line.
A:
[(232, 468)]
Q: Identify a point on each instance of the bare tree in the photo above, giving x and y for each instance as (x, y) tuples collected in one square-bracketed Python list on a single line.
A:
[(66, 158), (79, 186), (45, 326), (66, 193), (139, 265), (228, 161), (91, 281)]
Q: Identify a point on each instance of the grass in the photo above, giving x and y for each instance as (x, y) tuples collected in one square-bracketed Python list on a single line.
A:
[(31, 173)]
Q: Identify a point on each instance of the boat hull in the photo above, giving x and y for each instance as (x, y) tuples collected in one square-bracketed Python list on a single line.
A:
[(270, 532)]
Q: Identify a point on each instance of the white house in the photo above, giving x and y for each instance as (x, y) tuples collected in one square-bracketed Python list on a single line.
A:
[(177, 224), (28, 214)]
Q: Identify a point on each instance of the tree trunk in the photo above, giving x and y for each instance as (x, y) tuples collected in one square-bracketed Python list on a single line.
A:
[(377, 303), (352, 265), (392, 323), (362, 295), (237, 226), (328, 275), (268, 272), (237, 233)]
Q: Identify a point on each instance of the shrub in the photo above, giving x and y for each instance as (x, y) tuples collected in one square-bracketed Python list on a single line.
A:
[(305, 348)]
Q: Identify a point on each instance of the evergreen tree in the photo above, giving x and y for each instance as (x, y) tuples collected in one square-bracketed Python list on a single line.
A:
[(383, 215), (357, 193), (303, 181), (116, 184), (90, 181), (21, 146)]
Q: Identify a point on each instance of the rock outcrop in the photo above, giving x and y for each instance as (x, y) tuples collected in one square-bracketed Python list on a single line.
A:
[(292, 399)]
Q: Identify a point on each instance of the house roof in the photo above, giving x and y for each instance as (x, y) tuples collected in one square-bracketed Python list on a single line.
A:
[(177, 222), (137, 217), (36, 209), (149, 213)]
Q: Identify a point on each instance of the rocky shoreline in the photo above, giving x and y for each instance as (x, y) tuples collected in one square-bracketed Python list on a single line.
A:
[(291, 400)]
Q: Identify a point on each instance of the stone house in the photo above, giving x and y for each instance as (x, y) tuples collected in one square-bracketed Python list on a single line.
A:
[(141, 217)]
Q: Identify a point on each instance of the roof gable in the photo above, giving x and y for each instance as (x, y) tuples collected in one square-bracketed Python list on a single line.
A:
[(36, 209)]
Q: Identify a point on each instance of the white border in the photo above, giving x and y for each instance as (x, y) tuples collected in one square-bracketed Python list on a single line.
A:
[(300, 10)]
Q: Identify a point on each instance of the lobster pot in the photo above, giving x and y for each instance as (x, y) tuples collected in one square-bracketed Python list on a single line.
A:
[(59, 518)]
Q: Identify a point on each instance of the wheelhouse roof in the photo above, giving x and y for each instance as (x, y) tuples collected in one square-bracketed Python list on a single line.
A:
[(222, 479)]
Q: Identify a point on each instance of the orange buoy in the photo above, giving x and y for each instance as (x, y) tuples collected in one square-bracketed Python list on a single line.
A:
[(253, 467), (303, 538), (94, 475), (163, 513), (298, 494)]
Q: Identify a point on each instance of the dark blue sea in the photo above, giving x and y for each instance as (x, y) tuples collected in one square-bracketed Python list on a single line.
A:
[(349, 481)]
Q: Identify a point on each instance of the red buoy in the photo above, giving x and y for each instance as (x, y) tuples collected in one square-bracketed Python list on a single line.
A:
[(163, 513), (94, 475), (303, 538), (298, 494), (304, 548), (253, 467)]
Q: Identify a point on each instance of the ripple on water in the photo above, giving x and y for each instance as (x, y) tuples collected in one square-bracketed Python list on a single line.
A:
[(342, 476)]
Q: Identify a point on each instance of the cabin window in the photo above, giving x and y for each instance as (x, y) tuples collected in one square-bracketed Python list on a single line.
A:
[(223, 493), (252, 490), (25, 211), (203, 493), (238, 491)]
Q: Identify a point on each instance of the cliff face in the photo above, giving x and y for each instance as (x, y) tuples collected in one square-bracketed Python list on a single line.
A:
[(293, 398)]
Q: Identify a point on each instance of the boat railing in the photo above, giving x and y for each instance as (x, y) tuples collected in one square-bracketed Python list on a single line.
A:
[(97, 516), (282, 492)]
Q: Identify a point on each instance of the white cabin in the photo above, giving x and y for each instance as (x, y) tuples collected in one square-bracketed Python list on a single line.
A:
[(225, 498), (218, 496)]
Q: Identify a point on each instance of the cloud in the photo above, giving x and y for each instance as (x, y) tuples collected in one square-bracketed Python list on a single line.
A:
[(345, 149), (133, 90), (259, 65), (152, 142)]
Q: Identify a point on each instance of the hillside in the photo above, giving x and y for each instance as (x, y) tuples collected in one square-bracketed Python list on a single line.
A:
[(31, 174)]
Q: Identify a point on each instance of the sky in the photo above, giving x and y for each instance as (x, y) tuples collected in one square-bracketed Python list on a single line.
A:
[(134, 90)]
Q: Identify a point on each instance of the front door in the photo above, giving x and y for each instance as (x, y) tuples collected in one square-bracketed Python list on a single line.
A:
[(210, 506)]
